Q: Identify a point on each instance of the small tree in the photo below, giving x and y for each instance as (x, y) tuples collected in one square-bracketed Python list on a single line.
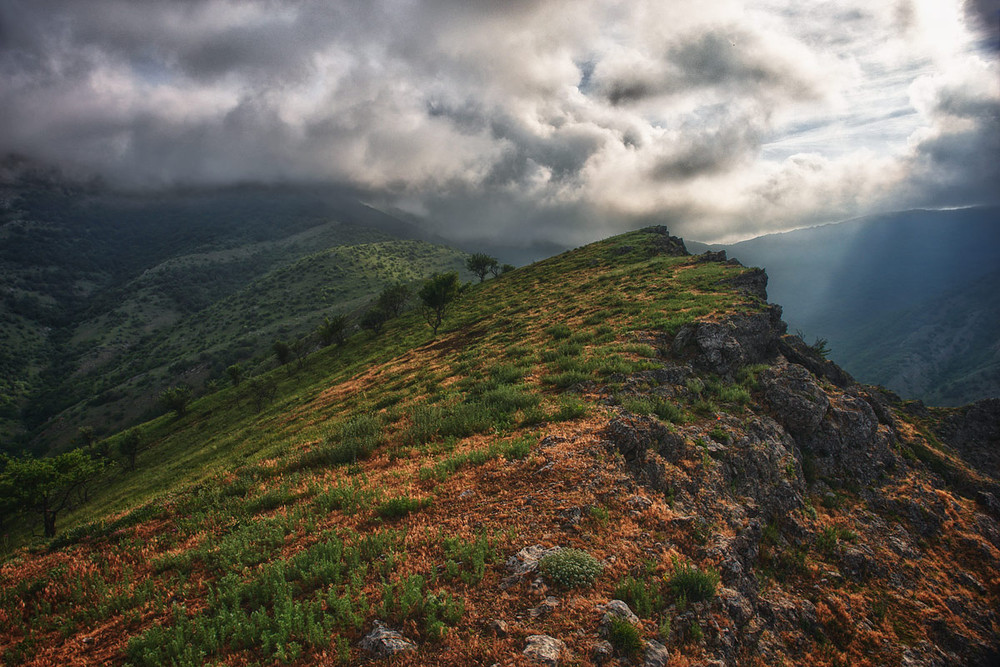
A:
[(480, 264), (235, 374), (260, 391), (393, 300), (46, 486), (374, 320), (507, 268), (282, 351), (333, 330), (128, 446), (436, 295), (176, 399)]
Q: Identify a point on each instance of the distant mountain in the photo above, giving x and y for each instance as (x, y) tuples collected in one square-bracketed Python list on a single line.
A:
[(907, 299), (106, 298)]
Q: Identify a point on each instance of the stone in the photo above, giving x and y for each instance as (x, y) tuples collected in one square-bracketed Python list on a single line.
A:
[(499, 628), (655, 655), (790, 390), (385, 643), (617, 609), (543, 649), (603, 652), (548, 605)]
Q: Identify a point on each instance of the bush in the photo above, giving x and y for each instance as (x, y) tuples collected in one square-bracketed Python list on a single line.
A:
[(693, 584), (395, 508), (570, 568), (558, 331), (642, 598), (624, 637)]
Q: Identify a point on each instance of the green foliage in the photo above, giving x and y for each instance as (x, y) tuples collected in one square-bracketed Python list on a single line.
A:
[(374, 320), (129, 444), (569, 408), (333, 330), (282, 351), (466, 560), (643, 596), (400, 506), (235, 374), (558, 331), (393, 299), (436, 295), (692, 584), (514, 449), (624, 637), (176, 399), (570, 568), (480, 264), (46, 486)]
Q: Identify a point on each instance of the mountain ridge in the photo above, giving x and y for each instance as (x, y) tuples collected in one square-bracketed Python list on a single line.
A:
[(617, 454)]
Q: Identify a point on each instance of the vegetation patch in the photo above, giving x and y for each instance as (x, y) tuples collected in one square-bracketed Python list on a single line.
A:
[(570, 568)]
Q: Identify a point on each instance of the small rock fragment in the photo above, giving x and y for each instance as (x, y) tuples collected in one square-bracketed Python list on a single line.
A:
[(545, 608), (385, 643), (543, 649), (498, 627)]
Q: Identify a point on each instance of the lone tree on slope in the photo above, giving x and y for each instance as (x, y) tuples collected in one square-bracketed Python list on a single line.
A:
[(481, 264), (46, 485), (436, 295)]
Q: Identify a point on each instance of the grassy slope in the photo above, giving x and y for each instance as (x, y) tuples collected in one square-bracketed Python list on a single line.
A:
[(389, 480)]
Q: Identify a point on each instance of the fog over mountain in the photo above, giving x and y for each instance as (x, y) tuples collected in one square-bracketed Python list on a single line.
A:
[(522, 122)]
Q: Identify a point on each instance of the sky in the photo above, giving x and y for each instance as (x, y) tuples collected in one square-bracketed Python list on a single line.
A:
[(549, 120)]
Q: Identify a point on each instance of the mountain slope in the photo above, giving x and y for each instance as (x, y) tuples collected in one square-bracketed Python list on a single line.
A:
[(861, 285), (622, 421), (108, 298)]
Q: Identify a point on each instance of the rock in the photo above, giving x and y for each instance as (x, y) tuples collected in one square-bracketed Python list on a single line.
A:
[(603, 652), (385, 643), (639, 503), (752, 282), (571, 515), (799, 404), (547, 606), (526, 560), (543, 649), (725, 347), (656, 654), (849, 441), (498, 628), (795, 350), (634, 435), (612, 610)]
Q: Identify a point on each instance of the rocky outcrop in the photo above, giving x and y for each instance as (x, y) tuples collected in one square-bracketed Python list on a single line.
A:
[(725, 347)]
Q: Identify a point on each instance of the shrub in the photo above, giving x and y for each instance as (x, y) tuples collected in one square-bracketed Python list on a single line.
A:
[(624, 637), (570, 568), (693, 584), (400, 506), (642, 597), (558, 331)]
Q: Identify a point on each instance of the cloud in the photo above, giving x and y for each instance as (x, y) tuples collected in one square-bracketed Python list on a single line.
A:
[(553, 120)]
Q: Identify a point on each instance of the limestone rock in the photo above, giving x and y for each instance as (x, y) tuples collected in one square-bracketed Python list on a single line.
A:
[(385, 643), (543, 649)]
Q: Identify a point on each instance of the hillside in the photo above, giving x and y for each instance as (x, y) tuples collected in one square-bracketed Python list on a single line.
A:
[(906, 300), (614, 454), (108, 298)]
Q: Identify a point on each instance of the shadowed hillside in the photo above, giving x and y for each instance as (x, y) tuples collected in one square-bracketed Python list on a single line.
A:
[(906, 300)]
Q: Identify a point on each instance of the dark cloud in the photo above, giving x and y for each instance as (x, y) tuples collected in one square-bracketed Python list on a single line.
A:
[(562, 119)]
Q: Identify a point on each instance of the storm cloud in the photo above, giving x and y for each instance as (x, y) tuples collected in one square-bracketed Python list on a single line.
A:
[(538, 121)]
